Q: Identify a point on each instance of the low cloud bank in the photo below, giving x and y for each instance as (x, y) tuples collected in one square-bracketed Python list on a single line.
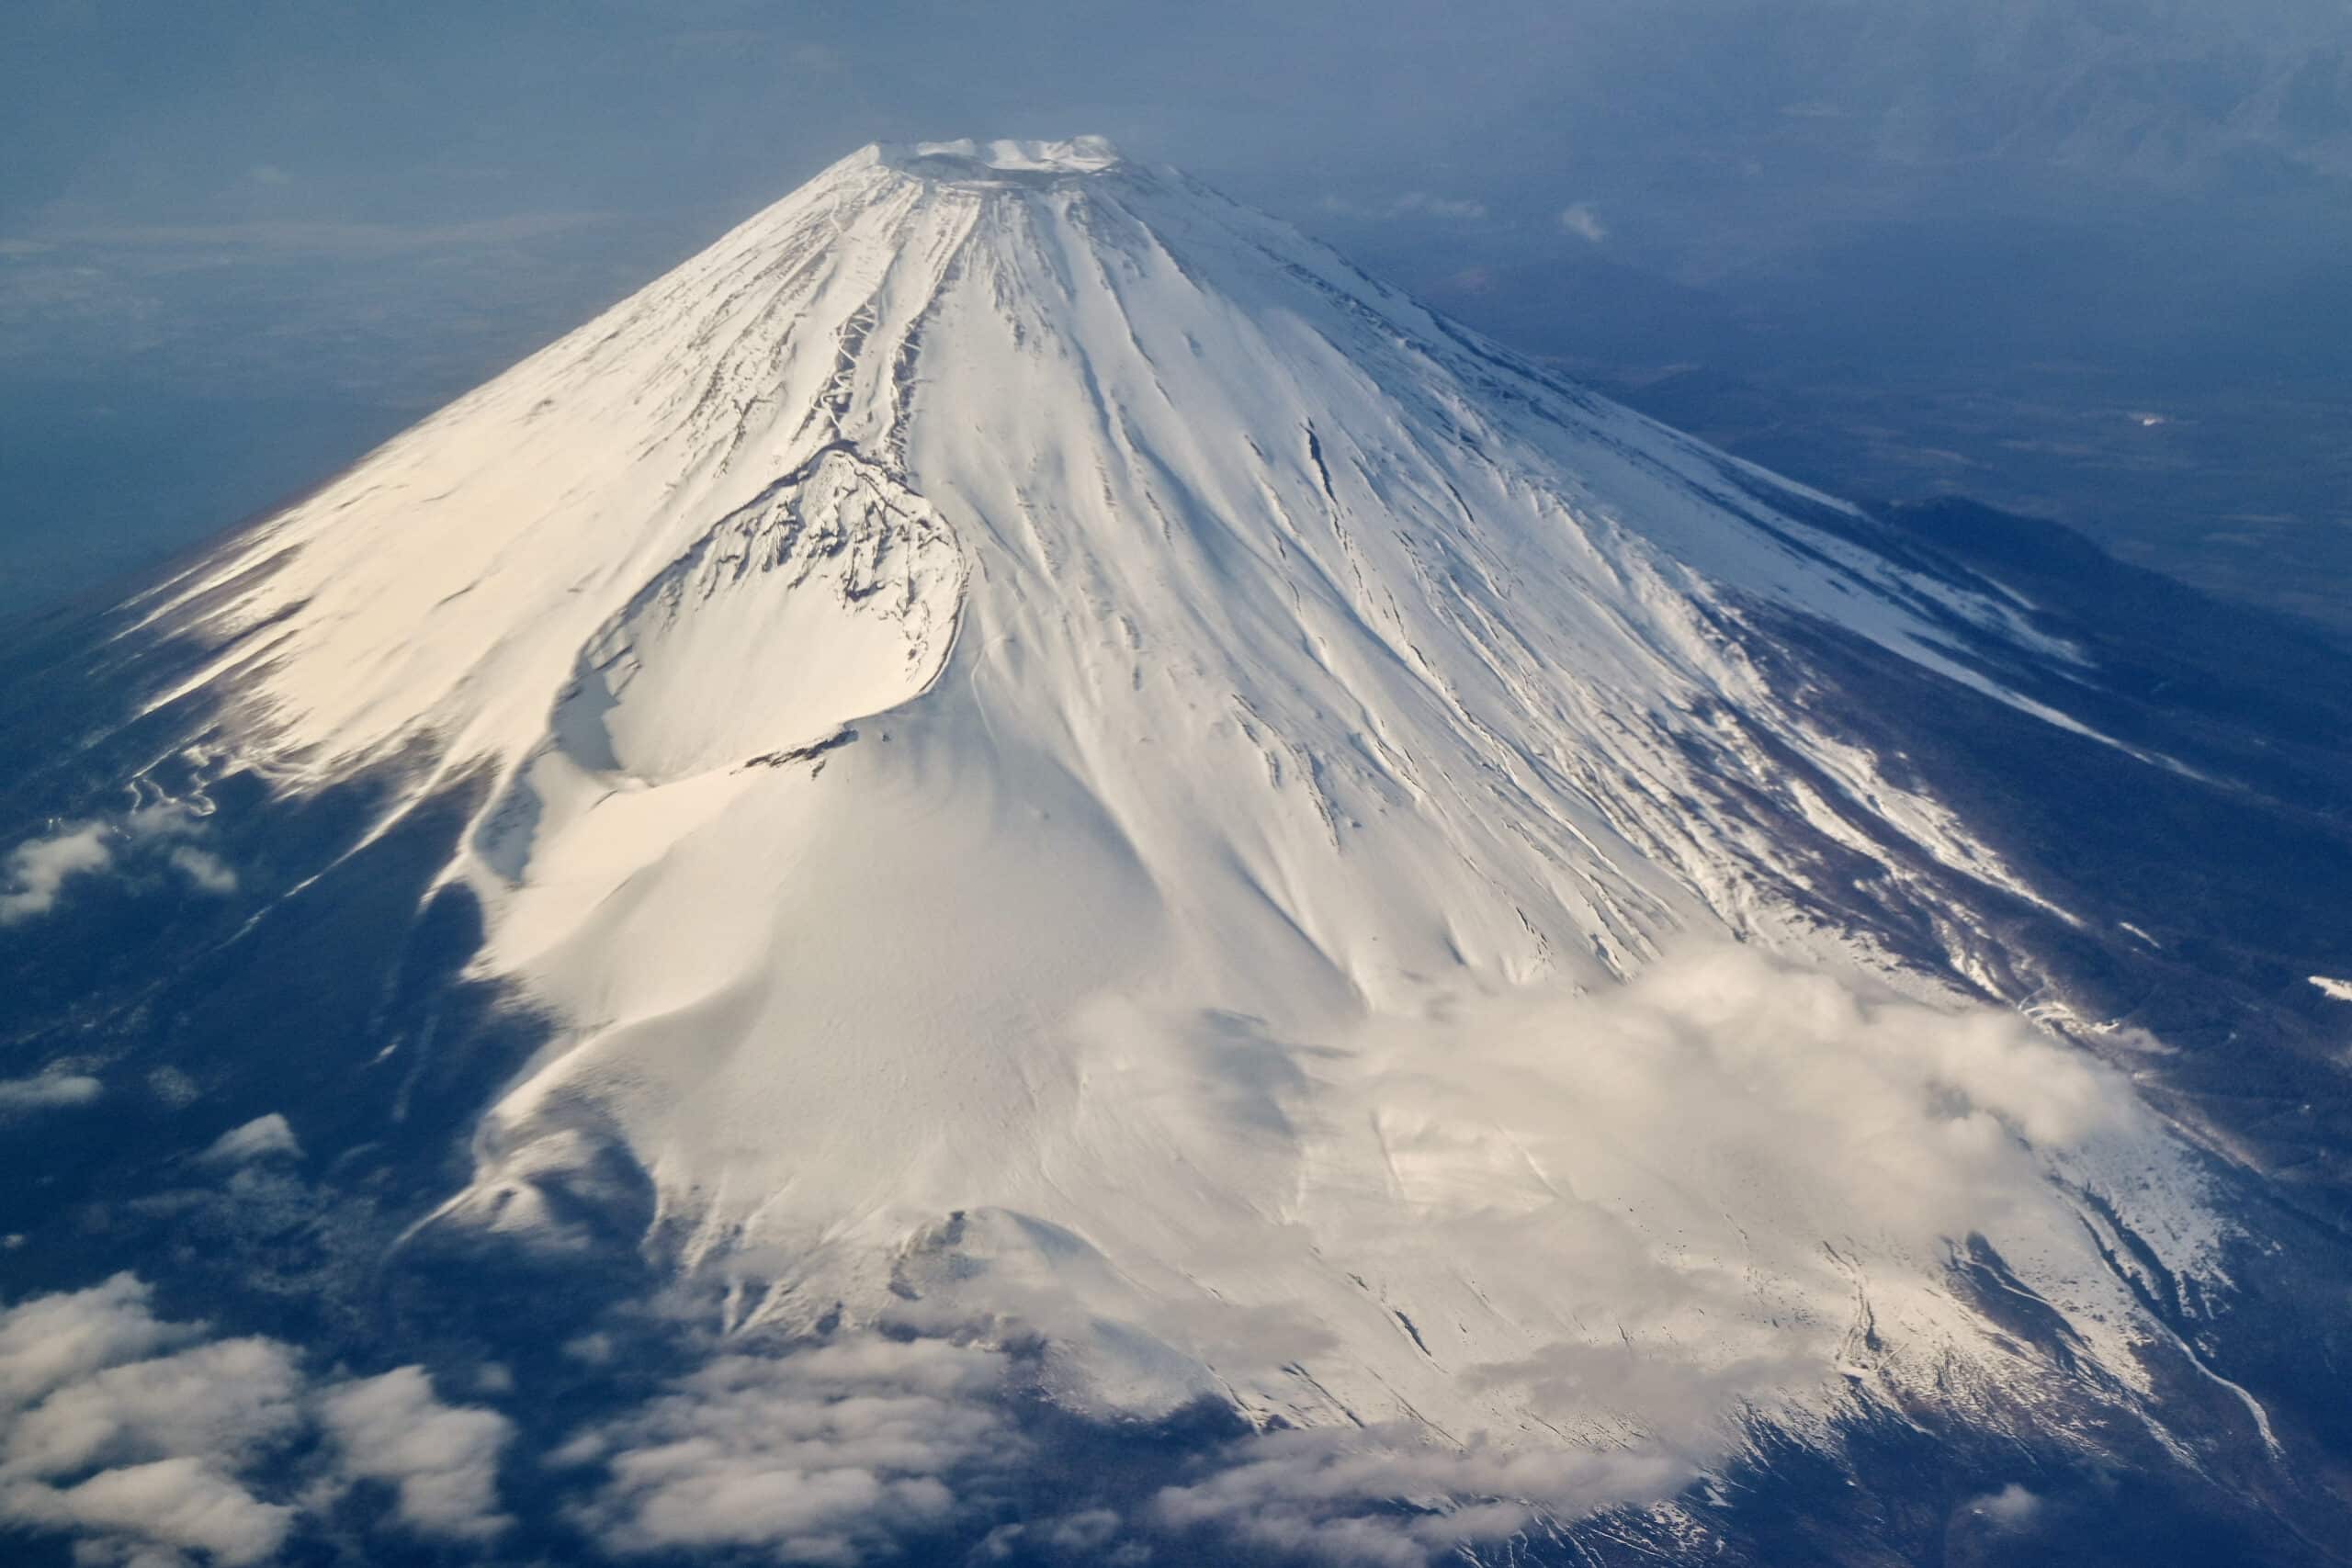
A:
[(826, 1456), (1588, 1239), (1396, 1498), (152, 1443)]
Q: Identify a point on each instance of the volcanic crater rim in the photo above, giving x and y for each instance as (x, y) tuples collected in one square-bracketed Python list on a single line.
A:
[(1001, 160)]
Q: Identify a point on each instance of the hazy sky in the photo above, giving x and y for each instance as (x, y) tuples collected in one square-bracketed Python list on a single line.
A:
[(429, 114), (241, 239)]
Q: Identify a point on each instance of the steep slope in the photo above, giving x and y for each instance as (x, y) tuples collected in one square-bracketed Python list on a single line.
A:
[(1058, 761)]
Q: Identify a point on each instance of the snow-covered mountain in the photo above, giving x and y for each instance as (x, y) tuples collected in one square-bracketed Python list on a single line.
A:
[(1060, 775)]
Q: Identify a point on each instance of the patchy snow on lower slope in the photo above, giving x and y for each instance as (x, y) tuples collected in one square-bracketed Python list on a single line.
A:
[(1064, 755)]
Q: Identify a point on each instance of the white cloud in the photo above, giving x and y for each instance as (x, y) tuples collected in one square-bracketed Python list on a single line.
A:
[(175, 822), (40, 868), (264, 1137), (123, 1432), (1089, 1529), (221, 1401), (1581, 219), (178, 1503), (1332, 1495), (145, 1439), (1419, 204), (1635, 1218), (52, 1340), (1606, 1231), (1089, 1535), (208, 871), (1423, 203), (2012, 1507), (851, 1451), (2338, 990), (827, 1455), (1678, 1190), (441, 1460), (48, 1090)]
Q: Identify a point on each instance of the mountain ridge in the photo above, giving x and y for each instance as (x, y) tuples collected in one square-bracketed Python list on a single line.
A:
[(1040, 397), (1054, 771)]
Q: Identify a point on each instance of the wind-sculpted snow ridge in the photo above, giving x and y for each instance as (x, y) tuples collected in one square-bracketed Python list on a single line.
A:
[(1061, 755)]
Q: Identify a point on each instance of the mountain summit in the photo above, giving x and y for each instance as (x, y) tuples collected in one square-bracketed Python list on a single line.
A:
[(1052, 761)]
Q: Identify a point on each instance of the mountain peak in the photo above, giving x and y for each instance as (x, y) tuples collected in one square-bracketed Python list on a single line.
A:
[(1016, 794), (989, 162), (980, 703)]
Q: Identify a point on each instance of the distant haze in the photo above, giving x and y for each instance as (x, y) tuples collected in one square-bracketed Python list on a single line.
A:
[(241, 243)]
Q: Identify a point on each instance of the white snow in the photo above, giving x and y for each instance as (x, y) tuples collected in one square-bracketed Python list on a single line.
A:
[(1082, 154), (1018, 688)]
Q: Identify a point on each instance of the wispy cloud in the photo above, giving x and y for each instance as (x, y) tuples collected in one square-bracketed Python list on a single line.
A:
[(1412, 204), (1583, 221), (2013, 1507)]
